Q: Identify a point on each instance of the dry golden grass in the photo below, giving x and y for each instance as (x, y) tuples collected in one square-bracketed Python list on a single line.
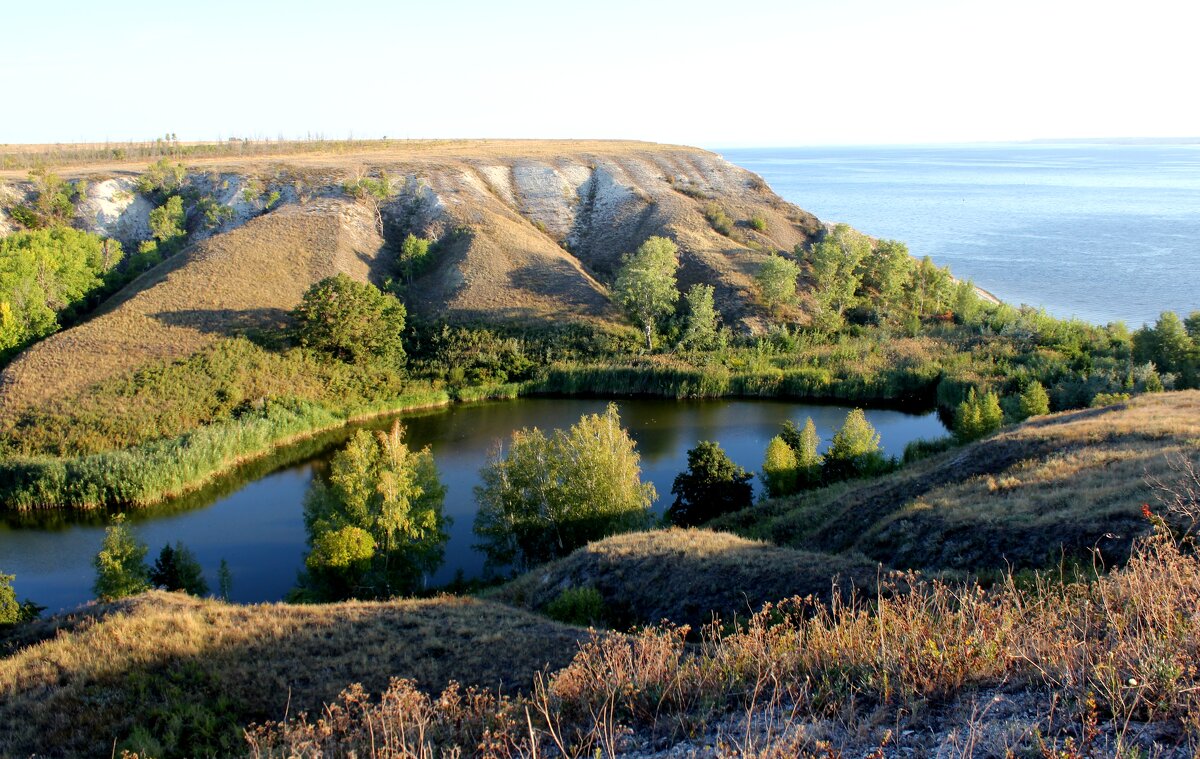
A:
[(247, 278), (74, 686), (1106, 668), (688, 576), (1072, 481)]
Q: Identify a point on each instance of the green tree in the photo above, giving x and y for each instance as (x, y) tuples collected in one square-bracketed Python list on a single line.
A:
[(545, 496), (700, 331), (413, 253), (930, 289), (645, 285), (854, 450), (166, 221), (711, 486), (1192, 325), (376, 526), (10, 610), (837, 273), (224, 580), (885, 274), (1169, 346), (352, 321), (121, 563), (45, 274), (779, 468), (978, 416), (161, 180), (53, 204), (176, 568), (806, 444), (1034, 401), (776, 279)]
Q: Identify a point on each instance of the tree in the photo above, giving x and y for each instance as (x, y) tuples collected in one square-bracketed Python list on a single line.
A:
[(121, 563), (700, 330), (779, 468), (854, 450), (1169, 346), (711, 486), (10, 610), (978, 416), (836, 267), (806, 444), (376, 527), (413, 252), (352, 321), (224, 580), (545, 496), (176, 568), (1034, 401), (776, 279), (46, 273), (886, 272), (1192, 325), (166, 221), (645, 285)]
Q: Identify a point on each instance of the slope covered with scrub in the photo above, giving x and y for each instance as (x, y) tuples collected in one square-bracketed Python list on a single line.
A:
[(1069, 482)]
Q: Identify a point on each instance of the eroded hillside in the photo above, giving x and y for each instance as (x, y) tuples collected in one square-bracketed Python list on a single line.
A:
[(531, 231)]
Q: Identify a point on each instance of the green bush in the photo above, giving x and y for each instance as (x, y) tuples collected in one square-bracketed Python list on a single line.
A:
[(719, 219), (711, 486), (176, 568), (578, 606), (854, 450), (351, 321), (121, 563), (978, 416), (758, 223)]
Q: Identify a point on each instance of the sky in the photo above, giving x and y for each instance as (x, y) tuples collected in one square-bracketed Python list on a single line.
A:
[(714, 74)]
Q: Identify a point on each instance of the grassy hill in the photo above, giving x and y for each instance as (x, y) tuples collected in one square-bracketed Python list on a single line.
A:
[(688, 576), (189, 672), (1070, 481), (533, 231)]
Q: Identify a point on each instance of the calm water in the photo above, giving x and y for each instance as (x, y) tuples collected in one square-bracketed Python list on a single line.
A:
[(1099, 232), (258, 528)]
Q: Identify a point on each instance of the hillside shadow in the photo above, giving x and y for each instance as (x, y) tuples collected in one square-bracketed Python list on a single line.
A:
[(259, 324)]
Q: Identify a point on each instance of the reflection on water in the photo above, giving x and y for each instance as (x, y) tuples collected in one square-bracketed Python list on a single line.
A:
[(255, 520)]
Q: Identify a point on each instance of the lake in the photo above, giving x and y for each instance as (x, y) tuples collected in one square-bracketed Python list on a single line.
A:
[(1099, 232), (257, 526)]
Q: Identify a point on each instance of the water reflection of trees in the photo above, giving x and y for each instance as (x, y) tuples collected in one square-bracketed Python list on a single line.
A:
[(374, 521)]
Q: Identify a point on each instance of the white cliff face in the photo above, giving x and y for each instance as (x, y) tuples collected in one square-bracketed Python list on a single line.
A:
[(112, 208)]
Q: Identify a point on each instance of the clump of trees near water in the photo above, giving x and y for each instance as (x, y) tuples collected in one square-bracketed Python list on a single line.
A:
[(793, 461)]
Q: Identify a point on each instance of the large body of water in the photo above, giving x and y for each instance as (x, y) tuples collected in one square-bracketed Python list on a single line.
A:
[(258, 526), (1098, 232)]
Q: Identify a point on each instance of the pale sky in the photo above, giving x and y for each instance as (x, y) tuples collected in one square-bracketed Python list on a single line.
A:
[(716, 74)]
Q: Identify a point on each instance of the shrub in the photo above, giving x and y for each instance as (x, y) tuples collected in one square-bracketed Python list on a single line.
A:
[(121, 563), (1108, 399), (700, 330), (546, 496), (712, 485), (578, 606), (413, 257), (806, 444), (718, 218), (351, 321), (776, 279), (758, 223), (162, 179)]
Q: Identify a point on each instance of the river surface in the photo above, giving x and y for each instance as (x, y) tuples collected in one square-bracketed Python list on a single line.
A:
[(1099, 232), (256, 524)]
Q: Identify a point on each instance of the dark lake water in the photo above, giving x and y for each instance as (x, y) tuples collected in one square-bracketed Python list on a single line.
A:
[(1098, 232), (257, 526)]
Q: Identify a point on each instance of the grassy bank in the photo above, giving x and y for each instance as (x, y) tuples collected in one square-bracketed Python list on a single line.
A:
[(158, 470)]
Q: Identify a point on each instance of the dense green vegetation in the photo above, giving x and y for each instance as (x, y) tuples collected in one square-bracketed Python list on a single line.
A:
[(544, 496), (793, 461), (375, 524), (176, 568), (45, 275), (351, 321)]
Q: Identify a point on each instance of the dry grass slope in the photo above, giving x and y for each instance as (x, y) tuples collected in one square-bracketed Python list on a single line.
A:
[(72, 686), (1074, 480), (544, 225), (688, 576)]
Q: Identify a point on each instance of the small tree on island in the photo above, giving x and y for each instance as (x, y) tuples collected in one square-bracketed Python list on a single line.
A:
[(712, 485), (545, 496), (645, 285), (351, 321), (121, 563), (806, 444), (376, 527)]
